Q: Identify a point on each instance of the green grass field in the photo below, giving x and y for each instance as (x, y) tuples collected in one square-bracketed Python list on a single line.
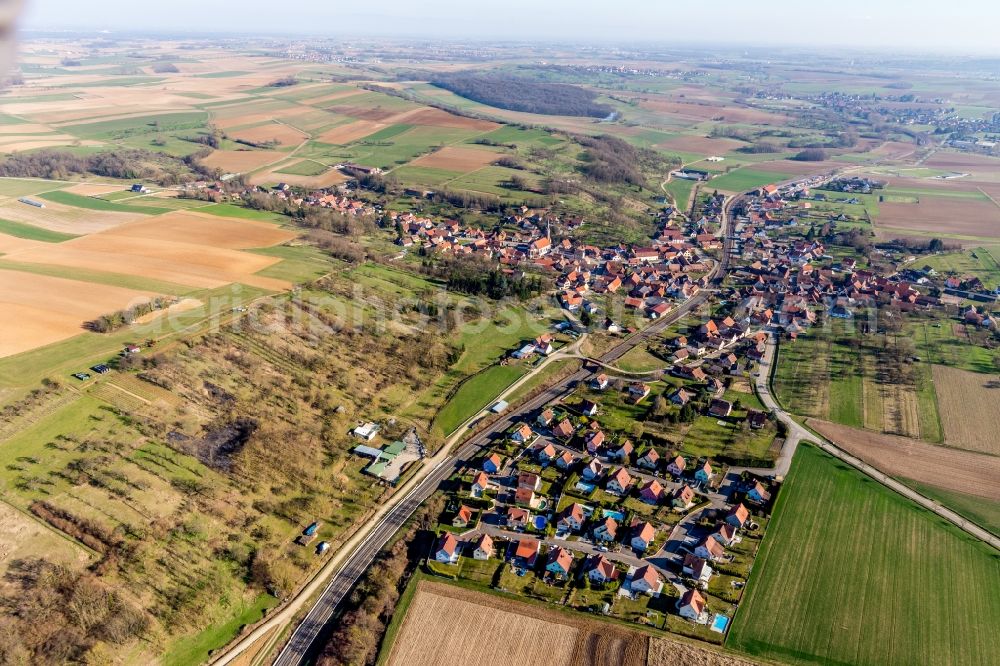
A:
[(19, 187), (980, 510), (127, 127), (91, 203), (30, 232), (852, 573), (303, 168), (745, 178), (680, 190), (476, 393)]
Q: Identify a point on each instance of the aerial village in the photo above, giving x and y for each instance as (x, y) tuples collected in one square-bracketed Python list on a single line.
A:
[(645, 498)]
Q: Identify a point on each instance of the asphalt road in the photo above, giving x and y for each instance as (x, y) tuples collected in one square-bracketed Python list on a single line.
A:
[(301, 646)]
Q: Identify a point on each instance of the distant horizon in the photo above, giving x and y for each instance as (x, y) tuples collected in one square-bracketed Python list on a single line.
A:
[(906, 28)]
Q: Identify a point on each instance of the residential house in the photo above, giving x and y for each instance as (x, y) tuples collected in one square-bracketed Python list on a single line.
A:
[(720, 409), (681, 396), (571, 519), (637, 391), (517, 518), (462, 517), (704, 473), (758, 494), (677, 466), (600, 382), (523, 434), (526, 552), (484, 547), (545, 418), (756, 419), (600, 569), (697, 568), (692, 606), (592, 471), (606, 530), (564, 430), (726, 534), (649, 460), (589, 408), (683, 497), (492, 463), (529, 480), (479, 484), (546, 453), (565, 461), (652, 492), (646, 580), (524, 496), (738, 516), (643, 535), (619, 482), (623, 452), (595, 440), (559, 562), (709, 549), (446, 549)]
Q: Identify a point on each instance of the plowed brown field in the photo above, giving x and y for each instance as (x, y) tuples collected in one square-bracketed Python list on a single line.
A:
[(453, 158), (944, 467), (448, 624)]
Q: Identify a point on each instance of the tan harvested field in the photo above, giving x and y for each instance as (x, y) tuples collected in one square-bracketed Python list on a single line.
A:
[(95, 189), (25, 128), (50, 309), (177, 261), (283, 134), (448, 624), (68, 219), (204, 229), (10, 244), (242, 160), (949, 215), (701, 145), (455, 158), (438, 118), (25, 143), (358, 129), (969, 403), (941, 466), (666, 652)]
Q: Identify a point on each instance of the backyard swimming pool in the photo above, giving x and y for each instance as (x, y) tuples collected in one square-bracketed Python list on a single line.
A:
[(719, 623)]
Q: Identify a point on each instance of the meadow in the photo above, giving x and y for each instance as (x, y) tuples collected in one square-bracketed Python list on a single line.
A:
[(849, 572)]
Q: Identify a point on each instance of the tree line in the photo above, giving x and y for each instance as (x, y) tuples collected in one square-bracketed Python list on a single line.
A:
[(131, 163), (116, 320), (520, 94)]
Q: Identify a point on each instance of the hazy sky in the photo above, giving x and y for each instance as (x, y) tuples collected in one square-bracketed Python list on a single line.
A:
[(914, 25)]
